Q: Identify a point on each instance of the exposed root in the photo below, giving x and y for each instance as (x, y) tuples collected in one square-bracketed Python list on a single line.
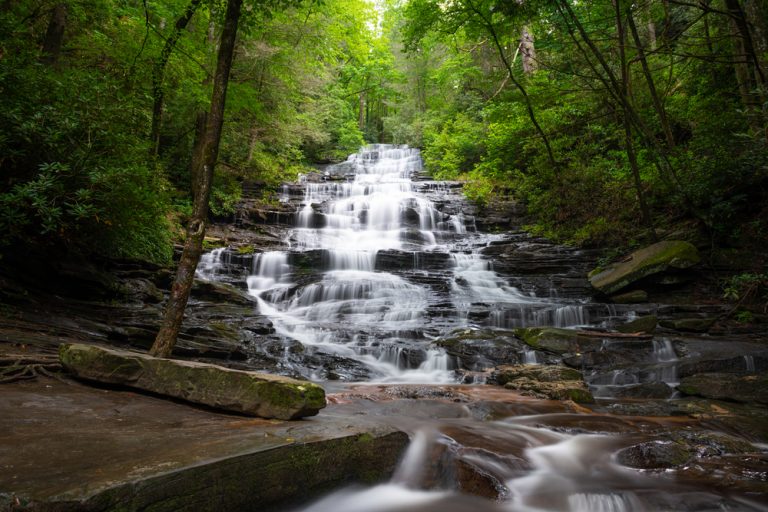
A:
[(27, 368)]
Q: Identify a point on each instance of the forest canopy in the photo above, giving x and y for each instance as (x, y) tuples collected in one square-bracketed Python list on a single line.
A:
[(611, 121)]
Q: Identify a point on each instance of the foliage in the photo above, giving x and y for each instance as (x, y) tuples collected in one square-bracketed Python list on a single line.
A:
[(701, 154)]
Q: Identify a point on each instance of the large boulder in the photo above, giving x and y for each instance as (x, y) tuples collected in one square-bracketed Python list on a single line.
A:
[(254, 394), (650, 260)]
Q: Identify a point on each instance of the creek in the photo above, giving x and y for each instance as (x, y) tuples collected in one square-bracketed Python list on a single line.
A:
[(381, 266)]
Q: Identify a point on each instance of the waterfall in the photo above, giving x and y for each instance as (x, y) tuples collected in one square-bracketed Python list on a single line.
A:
[(664, 353), (326, 291)]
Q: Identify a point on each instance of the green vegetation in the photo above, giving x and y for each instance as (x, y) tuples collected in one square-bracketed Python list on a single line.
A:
[(607, 119), (614, 123), (99, 101)]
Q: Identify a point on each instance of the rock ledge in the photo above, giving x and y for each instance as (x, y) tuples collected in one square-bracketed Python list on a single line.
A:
[(251, 393)]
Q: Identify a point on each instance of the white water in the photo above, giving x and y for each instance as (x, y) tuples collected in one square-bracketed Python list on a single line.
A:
[(351, 309), (558, 472), (664, 353)]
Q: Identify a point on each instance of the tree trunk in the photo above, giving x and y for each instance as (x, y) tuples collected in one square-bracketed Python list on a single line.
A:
[(628, 142), (203, 162), (657, 104), (526, 99), (54, 36), (528, 51), (158, 73)]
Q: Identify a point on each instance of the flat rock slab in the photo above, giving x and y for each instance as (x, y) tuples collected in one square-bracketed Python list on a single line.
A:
[(74, 447), (251, 393)]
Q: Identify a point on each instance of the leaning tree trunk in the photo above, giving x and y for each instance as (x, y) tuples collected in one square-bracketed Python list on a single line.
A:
[(54, 35), (203, 162)]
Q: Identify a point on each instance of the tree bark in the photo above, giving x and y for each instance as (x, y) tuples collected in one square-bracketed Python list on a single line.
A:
[(54, 35), (526, 99), (528, 51), (657, 104), (628, 142), (158, 73), (203, 162)]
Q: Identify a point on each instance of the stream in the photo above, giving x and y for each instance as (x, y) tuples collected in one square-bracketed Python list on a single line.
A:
[(379, 268)]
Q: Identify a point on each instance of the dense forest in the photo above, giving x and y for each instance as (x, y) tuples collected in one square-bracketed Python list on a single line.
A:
[(615, 123)]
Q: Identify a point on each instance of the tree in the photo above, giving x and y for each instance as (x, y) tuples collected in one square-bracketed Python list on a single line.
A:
[(203, 164)]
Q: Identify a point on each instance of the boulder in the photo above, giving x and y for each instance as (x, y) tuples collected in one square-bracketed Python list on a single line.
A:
[(254, 394), (650, 260), (642, 324), (725, 386), (544, 381)]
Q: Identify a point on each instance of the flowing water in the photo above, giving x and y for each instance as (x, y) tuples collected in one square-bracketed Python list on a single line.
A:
[(348, 305), (372, 273)]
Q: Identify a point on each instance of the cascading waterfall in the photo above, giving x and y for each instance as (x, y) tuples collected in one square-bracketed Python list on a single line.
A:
[(345, 306)]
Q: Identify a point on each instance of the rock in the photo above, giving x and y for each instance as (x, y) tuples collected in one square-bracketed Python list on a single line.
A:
[(689, 324), (644, 390), (142, 290), (97, 450), (642, 263), (633, 297), (677, 449), (483, 349), (556, 340), (220, 292), (642, 324), (724, 386), (544, 381), (254, 394)]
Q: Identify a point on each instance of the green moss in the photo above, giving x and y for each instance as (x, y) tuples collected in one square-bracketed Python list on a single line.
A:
[(645, 262), (581, 396), (246, 249), (213, 243)]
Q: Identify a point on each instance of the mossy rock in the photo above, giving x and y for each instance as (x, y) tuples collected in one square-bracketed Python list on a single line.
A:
[(544, 381), (540, 373), (557, 340), (251, 393), (661, 256), (643, 324)]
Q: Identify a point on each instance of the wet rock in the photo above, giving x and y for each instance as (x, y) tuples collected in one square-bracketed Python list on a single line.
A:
[(677, 449), (724, 386), (632, 297), (544, 381), (95, 450), (263, 395), (642, 324), (219, 292), (689, 324), (141, 290), (650, 260), (645, 390), (480, 350), (738, 364)]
